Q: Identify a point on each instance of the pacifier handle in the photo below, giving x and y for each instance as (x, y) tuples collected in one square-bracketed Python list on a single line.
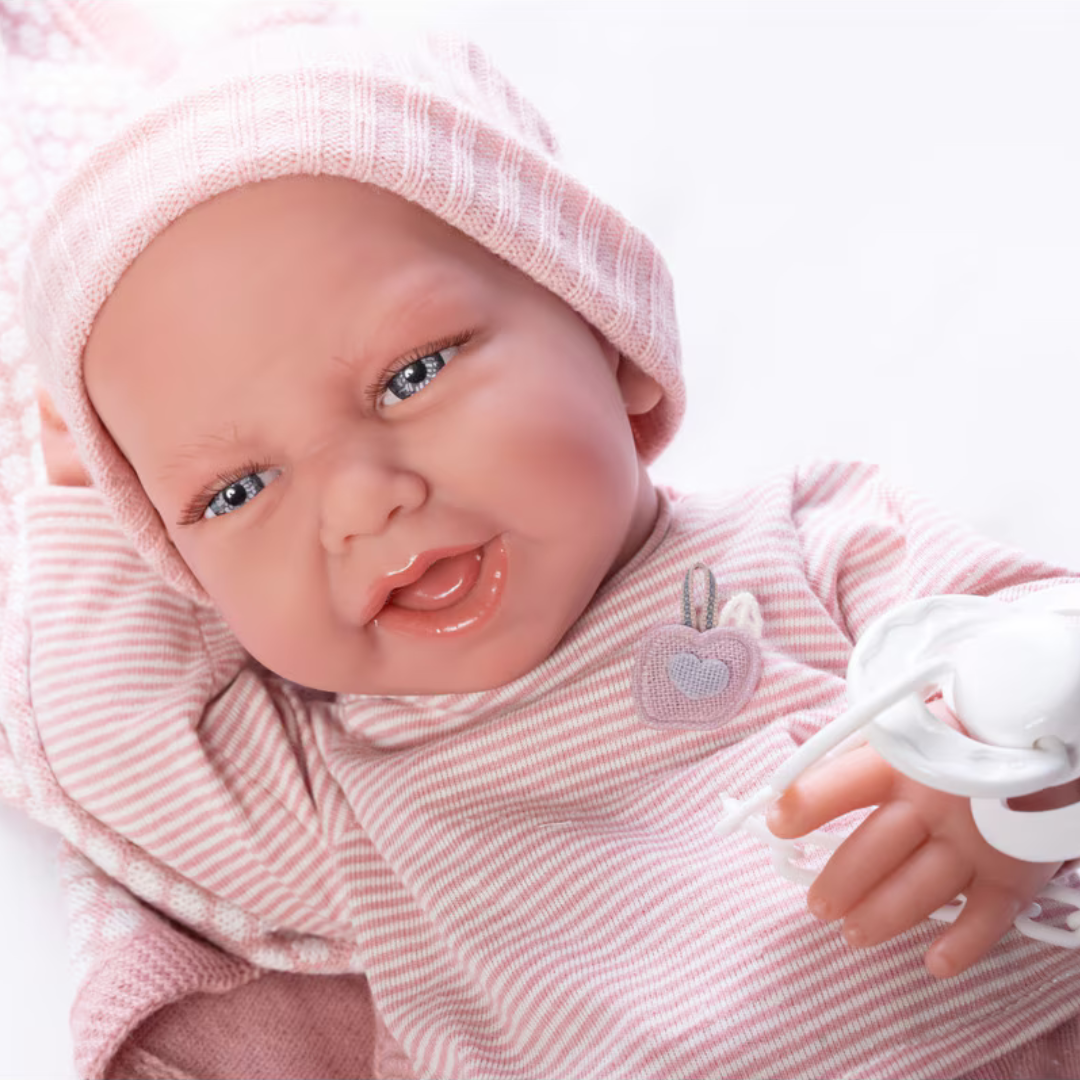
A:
[(857, 717), (737, 813)]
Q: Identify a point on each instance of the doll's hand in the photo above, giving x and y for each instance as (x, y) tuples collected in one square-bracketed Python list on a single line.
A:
[(916, 852), (62, 463)]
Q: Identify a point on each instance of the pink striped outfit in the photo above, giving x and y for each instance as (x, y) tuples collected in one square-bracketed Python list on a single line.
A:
[(528, 877)]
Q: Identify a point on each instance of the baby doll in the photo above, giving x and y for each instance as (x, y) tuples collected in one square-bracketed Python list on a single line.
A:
[(361, 635)]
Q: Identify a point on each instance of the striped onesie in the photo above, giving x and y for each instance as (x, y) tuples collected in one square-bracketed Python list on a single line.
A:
[(529, 877)]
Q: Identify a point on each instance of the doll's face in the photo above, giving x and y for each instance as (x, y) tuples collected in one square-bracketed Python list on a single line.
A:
[(417, 463)]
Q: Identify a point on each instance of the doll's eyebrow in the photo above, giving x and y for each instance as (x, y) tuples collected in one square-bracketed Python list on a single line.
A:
[(222, 440)]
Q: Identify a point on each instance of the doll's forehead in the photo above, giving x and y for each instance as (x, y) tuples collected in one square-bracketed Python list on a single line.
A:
[(388, 255), (321, 211), (300, 239)]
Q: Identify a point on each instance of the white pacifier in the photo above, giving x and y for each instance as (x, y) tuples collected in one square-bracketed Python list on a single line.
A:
[(1011, 674)]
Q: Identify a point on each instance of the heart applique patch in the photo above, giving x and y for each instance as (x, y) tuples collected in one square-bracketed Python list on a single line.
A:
[(697, 678), (694, 678)]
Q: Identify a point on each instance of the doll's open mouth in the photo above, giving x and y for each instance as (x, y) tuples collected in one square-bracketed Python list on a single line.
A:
[(444, 582), (457, 593)]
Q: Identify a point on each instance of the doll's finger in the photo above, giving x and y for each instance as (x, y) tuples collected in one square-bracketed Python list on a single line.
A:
[(927, 880), (988, 913), (849, 782), (887, 839)]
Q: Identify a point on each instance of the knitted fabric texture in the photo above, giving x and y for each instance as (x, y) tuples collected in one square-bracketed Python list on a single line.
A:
[(66, 70), (59, 85), (315, 93)]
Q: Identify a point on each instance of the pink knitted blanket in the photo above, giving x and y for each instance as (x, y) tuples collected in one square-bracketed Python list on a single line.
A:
[(152, 999)]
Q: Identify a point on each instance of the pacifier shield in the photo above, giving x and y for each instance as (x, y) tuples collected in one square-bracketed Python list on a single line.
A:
[(686, 677)]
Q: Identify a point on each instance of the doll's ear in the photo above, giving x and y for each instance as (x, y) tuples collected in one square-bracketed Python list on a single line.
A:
[(640, 392)]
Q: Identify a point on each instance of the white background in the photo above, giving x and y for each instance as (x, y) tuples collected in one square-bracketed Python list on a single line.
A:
[(871, 214)]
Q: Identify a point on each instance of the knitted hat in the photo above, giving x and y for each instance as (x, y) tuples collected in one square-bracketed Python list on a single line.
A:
[(314, 92)]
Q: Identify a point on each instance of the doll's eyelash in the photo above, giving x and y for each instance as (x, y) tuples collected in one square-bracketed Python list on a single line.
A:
[(373, 394), (195, 509)]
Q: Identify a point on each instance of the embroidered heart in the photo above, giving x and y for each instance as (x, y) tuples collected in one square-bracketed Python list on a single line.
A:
[(697, 678), (686, 678)]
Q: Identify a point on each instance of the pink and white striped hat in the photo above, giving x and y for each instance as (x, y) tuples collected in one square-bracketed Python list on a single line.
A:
[(316, 92)]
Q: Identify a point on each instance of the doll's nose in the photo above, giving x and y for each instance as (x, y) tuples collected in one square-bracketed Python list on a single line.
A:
[(360, 498)]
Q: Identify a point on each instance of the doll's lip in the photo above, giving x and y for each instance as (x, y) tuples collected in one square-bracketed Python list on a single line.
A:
[(474, 606), (413, 570)]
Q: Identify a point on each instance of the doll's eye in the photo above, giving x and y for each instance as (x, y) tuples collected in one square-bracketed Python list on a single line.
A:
[(415, 376), (240, 492)]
